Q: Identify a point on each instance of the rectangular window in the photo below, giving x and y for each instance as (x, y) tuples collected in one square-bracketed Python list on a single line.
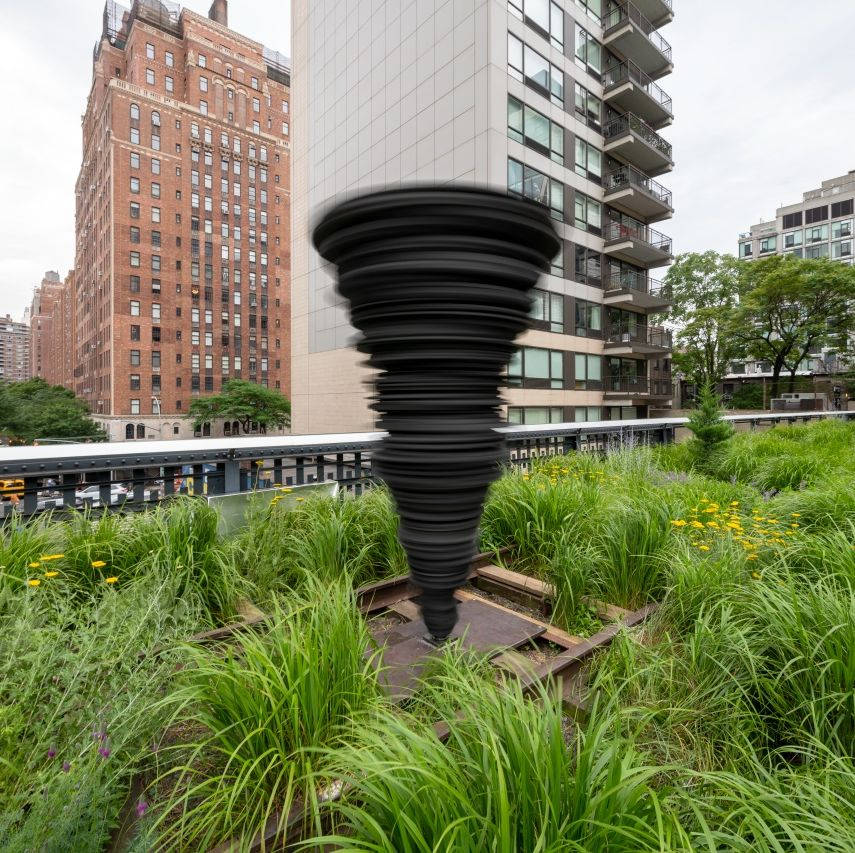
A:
[(793, 220), (135, 259), (135, 357), (135, 407), (536, 368), (589, 319), (155, 190), (547, 310), (528, 182), (817, 234), (155, 359), (535, 415), (203, 107), (135, 308), (841, 249), (135, 382), (149, 50), (588, 213), (842, 208), (149, 76), (135, 210), (588, 372), (793, 239), (816, 214), (135, 185), (841, 229), (135, 333), (588, 51), (155, 310), (155, 263), (155, 166), (169, 58), (155, 214), (135, 160), (170, 84), (818, 251), (134, 284), (768, 244), (135, 234), (746, 250), (589, 161)]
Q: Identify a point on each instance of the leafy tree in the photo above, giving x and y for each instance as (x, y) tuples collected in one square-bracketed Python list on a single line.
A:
[(705, 293), (33, 409), (710, 430), (244, 402), (792, 307)]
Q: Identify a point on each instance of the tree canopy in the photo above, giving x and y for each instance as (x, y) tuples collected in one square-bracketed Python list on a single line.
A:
[(244, 402), (34, 410), (792, 307), (705, 293)]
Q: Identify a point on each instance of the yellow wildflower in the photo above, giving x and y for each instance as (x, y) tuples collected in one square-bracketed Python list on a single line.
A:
[(98, 564), (794, 525), (302, 499), (712, 524), (678, 522), (33, 565), (110, 580), (711, 509), (698, 525), (751, 557), (796, 514), (33, 582), (734, 503), (51, 574), (704, 547), (52, 557), (755, 575)]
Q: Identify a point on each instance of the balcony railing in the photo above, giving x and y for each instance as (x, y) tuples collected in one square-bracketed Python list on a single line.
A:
[(627, 11), (53, 476), (629, 176), (614, 232), (629, 72), (631, 123), (631, 280), (639, 386), (654, 336)]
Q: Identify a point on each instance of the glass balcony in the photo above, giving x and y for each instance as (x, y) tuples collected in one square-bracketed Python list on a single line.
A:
[(658, 12), (638, 143), (628, 87), (637, 388), (637, 339), (628, 31), (635, 193)]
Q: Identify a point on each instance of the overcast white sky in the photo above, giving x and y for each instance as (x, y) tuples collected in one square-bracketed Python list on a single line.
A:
[(762, 94)]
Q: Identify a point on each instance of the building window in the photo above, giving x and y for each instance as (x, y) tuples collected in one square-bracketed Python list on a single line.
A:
[(589, 161), (582, 414), (155, 214), (842, 208), (746, 250), (202, 62), (547, 311), (135, 135), (135, 234), (588, 372), (135, 185), (134, 284), (135, 358), (135, 410), (534, 129), (841, 249), (791, 240), (135, 333), (170, 84), (818, 251), (203, 107), (816, 214), (256, 105), (135, 308), (588, 51), (155, 310), (254, 82), (587, 213), (792, 220), (135, 210), (135, 259), (155, 166), (589, 319), (135, 112), (135, 160), (841, 229), (528, 65), (525, 181), (129, 431), (533, 367), (135, 382), (155, 359), (149, 76), (155, 263), (285, 106), (149, 50), (169, 59), (817, 234), (155, 190)]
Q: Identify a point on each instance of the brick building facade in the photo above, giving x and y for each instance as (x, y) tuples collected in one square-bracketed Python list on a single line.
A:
[(15, 343), (182, 218), (52, 329)]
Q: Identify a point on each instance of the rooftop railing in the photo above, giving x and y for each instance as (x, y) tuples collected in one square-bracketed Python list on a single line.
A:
[(629, 72), (614, 232), (629, 176), (631, 123), (129, 476), (627, 11)]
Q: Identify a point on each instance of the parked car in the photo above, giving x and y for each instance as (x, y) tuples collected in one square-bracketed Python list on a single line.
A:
[(92, 494)]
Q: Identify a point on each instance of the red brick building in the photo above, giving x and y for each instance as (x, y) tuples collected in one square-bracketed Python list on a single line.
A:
[(52, 329), (182, 218)]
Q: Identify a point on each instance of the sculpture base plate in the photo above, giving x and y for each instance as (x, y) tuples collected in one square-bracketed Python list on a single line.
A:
[(480, 627)]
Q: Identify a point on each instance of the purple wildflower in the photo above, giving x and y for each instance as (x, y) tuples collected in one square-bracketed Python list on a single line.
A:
[(142, 808), (104, 751), (65, 767), (51, 753)]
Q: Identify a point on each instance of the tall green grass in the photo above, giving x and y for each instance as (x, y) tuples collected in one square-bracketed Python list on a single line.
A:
[(261, 709)]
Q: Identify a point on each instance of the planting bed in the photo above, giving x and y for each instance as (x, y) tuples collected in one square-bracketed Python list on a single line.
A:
[(699, 614)]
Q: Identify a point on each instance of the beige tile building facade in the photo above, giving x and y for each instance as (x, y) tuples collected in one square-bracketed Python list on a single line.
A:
[(552, 100)]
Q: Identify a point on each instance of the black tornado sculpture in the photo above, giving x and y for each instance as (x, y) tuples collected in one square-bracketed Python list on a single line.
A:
[(439, 284)]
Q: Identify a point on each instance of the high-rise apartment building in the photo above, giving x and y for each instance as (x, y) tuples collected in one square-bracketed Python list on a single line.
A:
[(183, 205), (14, 350), (555, 101), (819, 226), (48, 331)]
